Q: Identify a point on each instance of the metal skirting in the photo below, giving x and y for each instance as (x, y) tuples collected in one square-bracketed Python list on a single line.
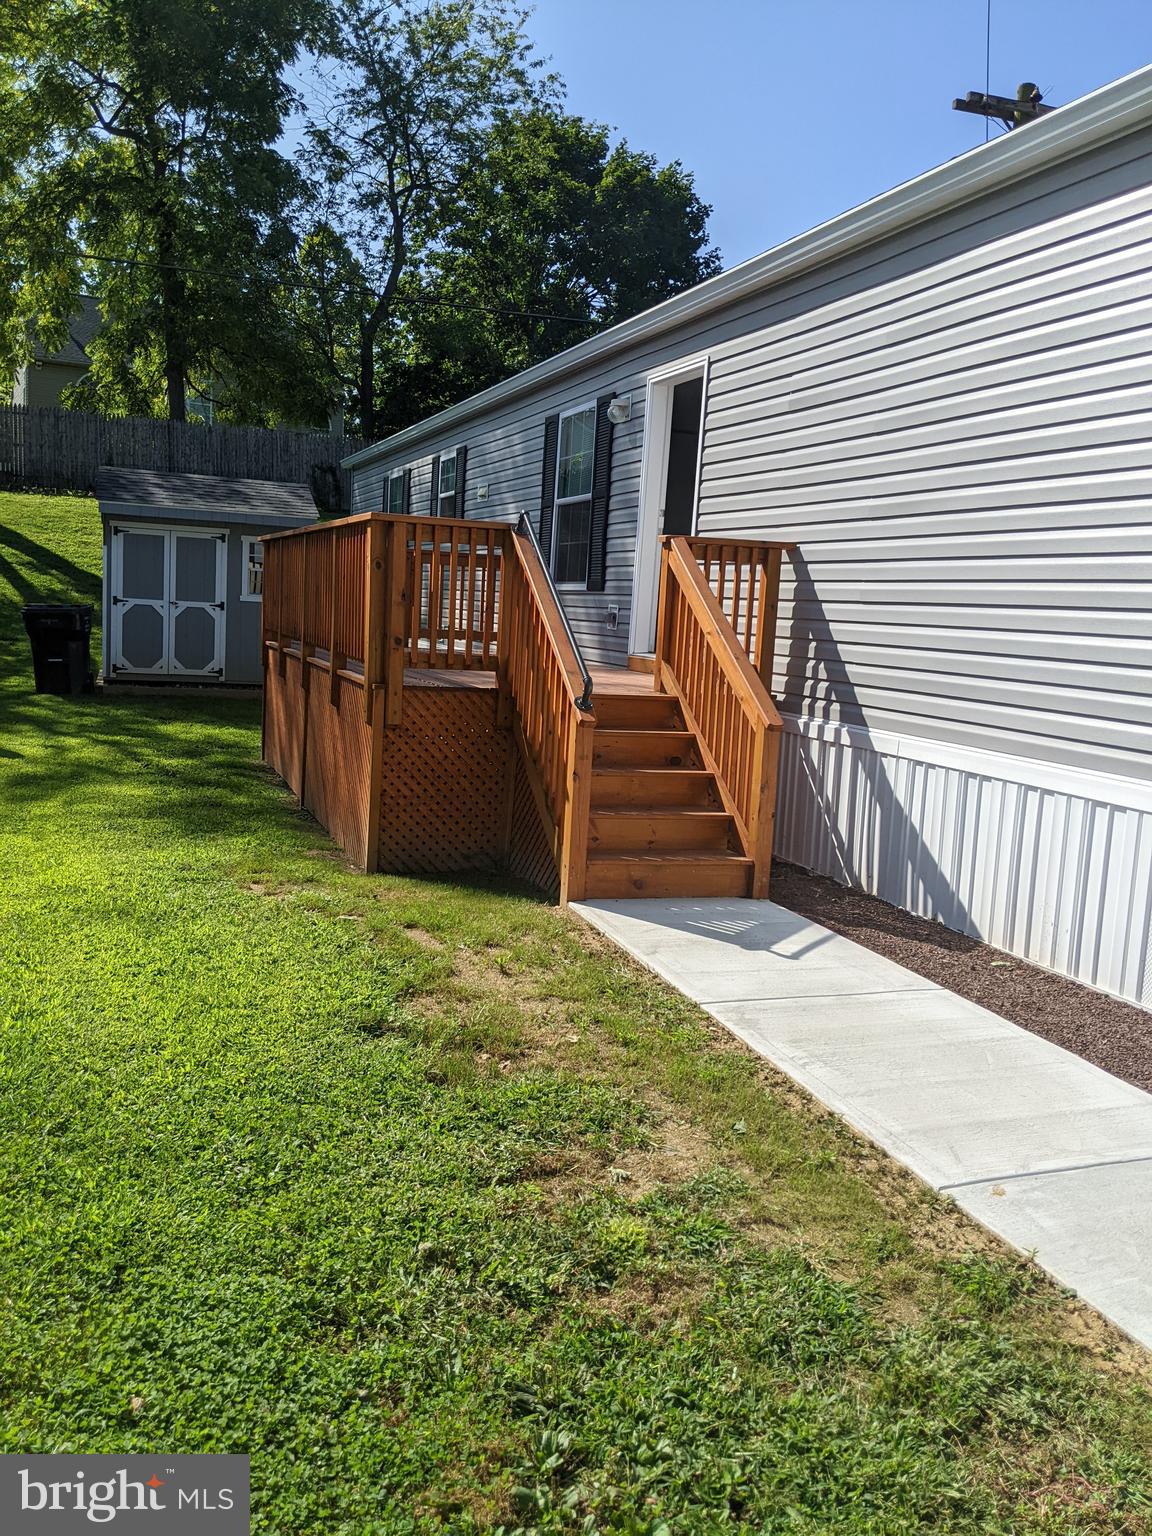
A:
[(1049, 865)]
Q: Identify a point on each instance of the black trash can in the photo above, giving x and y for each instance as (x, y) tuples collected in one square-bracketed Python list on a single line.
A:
[(59, 634)]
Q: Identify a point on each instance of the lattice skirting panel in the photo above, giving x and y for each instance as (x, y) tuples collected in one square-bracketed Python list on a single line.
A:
[(445, 784), (529, 846)]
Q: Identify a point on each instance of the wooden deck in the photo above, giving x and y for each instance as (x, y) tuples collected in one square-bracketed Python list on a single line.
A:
[(609, 682), (426, 701)]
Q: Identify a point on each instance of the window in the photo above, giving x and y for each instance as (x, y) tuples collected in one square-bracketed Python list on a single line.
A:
[(394, 492), (252, 570), (572, 528), (446, 487)]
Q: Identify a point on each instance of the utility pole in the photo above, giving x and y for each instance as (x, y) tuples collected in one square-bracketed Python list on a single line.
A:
[(1025, 107)]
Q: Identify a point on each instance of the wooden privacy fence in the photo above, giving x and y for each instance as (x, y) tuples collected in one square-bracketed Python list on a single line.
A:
[(60, 449), (716, 624), (370, 596)]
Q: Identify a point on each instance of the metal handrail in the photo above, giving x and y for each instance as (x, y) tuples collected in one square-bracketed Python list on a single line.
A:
[(584, 702)]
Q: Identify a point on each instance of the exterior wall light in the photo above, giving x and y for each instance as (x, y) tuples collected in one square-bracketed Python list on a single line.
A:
[(620, 409)]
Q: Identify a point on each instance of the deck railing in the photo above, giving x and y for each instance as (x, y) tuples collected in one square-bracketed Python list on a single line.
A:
[(548, 684), (368, 597), (745, 580), (717, 670)]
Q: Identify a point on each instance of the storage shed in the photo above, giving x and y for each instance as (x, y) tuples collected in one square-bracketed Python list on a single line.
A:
[(183, 572)]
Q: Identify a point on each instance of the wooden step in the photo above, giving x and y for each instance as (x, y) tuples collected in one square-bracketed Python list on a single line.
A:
[(699, 873), (644, 749), (652, 828), (637, 712), (653, 786)]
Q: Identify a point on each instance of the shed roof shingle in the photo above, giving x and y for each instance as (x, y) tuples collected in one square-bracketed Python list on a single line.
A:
[(231, 500)]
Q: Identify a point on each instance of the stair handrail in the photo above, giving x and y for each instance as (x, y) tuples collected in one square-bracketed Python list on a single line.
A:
[(525, 528), (699, 659), (546, 691)]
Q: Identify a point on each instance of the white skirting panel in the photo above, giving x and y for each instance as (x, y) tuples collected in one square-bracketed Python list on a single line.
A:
[(1050, 864)]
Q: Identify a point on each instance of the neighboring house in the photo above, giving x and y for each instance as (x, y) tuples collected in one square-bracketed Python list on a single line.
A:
[(942, 396), (42, 381)]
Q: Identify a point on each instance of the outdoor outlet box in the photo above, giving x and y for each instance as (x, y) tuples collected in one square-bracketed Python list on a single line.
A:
[(613, 619), (482, 492)]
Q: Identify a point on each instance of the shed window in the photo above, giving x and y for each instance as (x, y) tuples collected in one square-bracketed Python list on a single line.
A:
[(572, 528), (394, 492), (252, 572)]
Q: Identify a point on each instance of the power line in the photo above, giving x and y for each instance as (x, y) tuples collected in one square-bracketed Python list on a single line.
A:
[(299, 280), (987, 63)]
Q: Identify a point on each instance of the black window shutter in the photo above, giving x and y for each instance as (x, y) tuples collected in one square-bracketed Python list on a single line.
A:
[(407, 503), (435, 508), (548, 486), (461, 465), (601, 483)]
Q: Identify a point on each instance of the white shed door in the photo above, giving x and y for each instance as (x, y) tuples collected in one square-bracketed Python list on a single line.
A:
[(168, 601)]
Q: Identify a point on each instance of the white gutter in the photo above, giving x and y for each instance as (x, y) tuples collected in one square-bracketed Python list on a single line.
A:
[(1108, 113)]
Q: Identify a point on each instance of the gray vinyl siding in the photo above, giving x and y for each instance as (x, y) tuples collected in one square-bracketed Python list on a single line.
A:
[(954, 426)]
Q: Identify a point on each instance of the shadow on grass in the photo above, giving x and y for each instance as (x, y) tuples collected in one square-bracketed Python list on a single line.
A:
[(45, 576), (200, 762)]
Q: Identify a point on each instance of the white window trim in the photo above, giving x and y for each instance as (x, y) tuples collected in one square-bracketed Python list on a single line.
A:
[(566, 501), (246, 541), (394, 474), (441, 496)]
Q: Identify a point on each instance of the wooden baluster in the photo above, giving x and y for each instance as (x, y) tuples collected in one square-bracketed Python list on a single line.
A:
[(374, 615), (397, 603), (764, 658), (471, 620), (453, 595)]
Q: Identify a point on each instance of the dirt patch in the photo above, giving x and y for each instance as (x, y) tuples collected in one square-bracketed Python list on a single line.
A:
[(1113, 1035)]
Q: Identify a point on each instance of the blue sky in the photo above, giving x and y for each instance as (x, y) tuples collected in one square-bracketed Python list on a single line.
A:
[(790, 111)]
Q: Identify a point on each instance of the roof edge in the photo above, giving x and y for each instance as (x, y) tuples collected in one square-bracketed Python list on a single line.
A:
[(1104, 114)]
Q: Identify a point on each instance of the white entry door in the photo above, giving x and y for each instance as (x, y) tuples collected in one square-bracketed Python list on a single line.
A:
[(168, 601)]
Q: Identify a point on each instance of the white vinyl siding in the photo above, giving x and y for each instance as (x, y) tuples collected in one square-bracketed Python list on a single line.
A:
[(954, 425)]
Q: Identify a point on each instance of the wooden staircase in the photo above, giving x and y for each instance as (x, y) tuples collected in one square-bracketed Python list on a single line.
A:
[(658, 825), (665, 788)]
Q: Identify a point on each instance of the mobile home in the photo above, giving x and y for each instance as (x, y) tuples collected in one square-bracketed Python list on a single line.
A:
[(941, 399)]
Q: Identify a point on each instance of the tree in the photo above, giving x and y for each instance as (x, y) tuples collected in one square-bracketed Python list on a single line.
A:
[(417, 85), (137, 162), (556, 234)]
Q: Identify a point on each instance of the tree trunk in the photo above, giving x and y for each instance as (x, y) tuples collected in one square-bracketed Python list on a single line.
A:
[(173, 295), (366, 379)]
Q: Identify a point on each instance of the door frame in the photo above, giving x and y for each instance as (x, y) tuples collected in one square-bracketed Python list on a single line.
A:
[(653, 476), (170, 532)]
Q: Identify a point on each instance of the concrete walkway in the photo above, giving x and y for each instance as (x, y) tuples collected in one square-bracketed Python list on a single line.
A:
[(1047, 1150)]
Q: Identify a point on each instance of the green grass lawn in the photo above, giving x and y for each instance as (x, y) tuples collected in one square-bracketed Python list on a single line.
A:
[(442, 1210)]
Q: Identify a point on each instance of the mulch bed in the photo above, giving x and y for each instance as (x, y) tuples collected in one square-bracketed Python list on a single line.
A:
[(1114, 1035)]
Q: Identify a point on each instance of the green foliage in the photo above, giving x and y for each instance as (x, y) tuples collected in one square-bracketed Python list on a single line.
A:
[(552, 220), (144, 131), (432, 1206)]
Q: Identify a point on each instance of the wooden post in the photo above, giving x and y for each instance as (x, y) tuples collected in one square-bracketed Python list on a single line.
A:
[(373, 615), (767, 613), (761, 824), (374, 808), (397, 600), (578, 810), (335, 660), (663, 600)]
